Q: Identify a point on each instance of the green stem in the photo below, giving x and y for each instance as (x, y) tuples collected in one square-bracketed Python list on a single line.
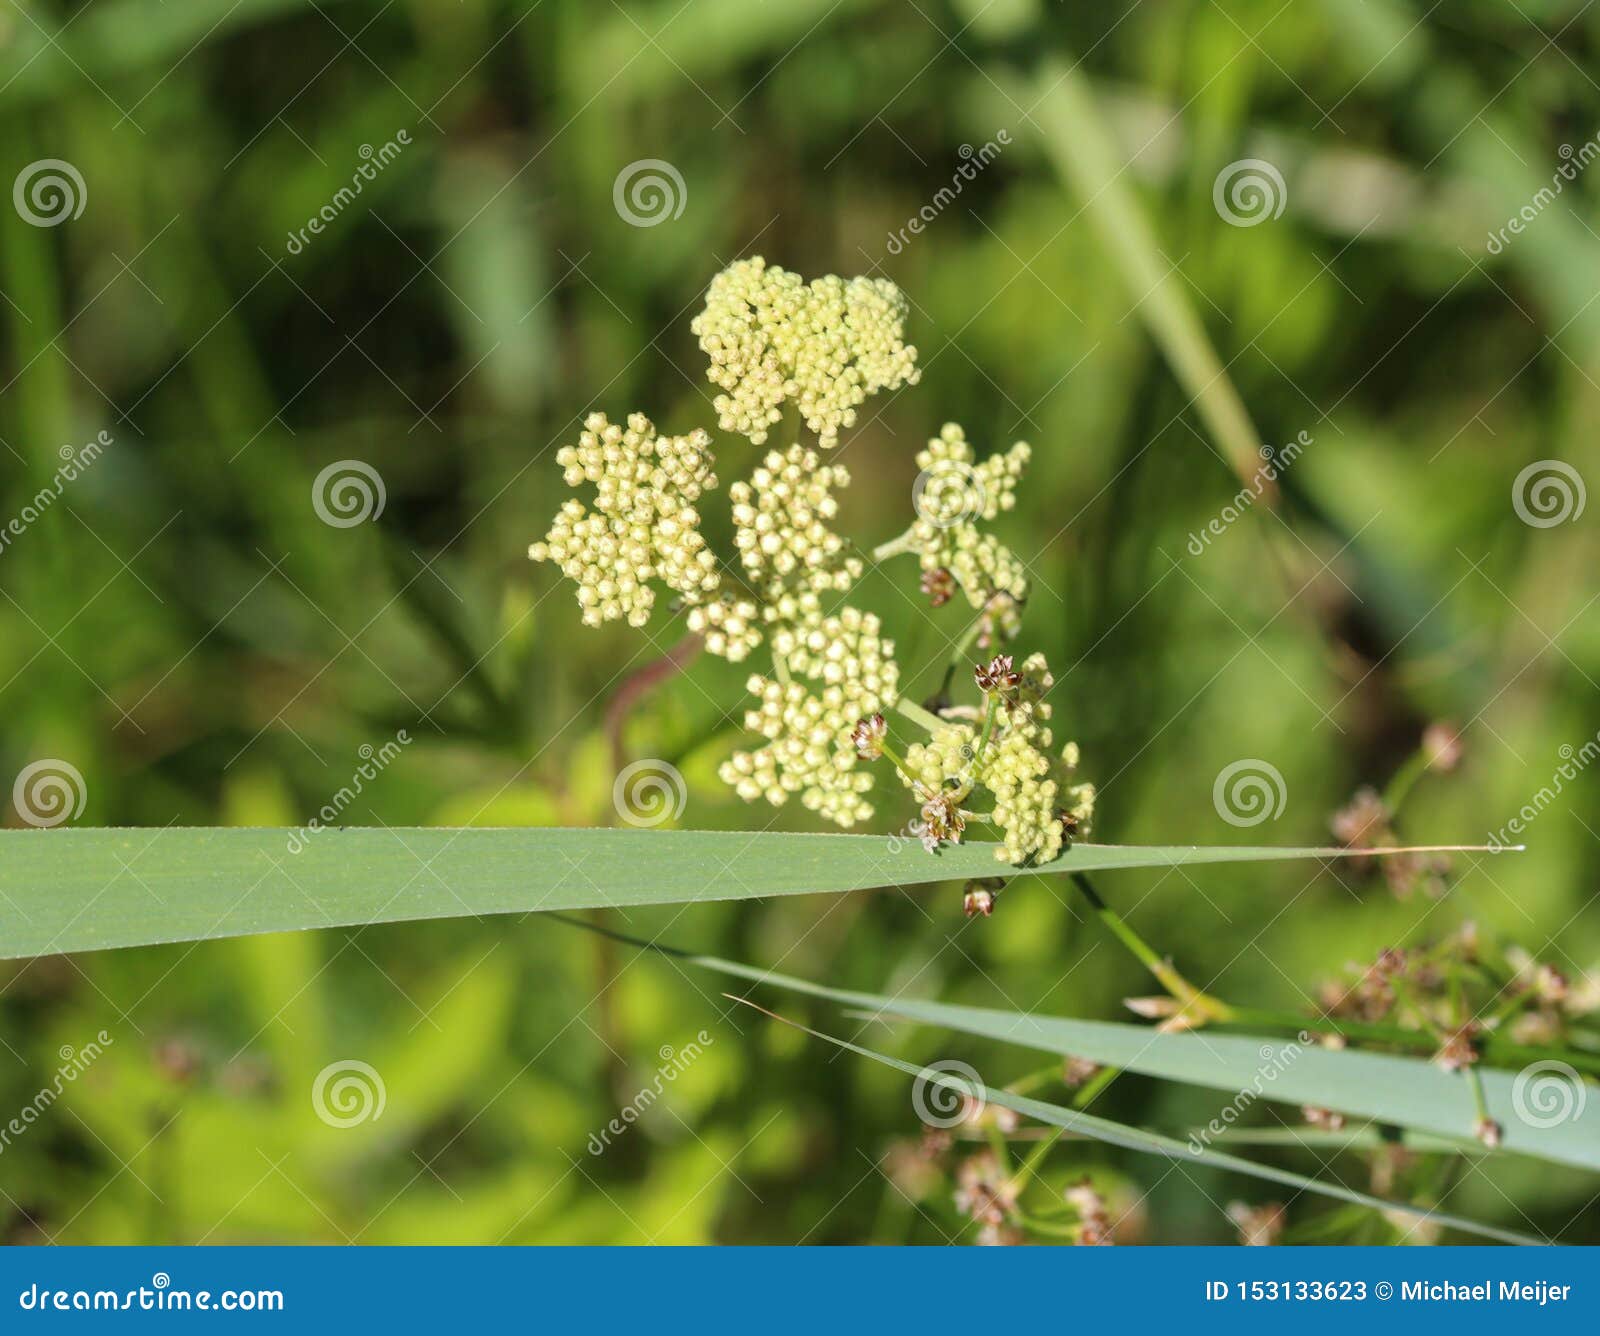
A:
[(893, 548), (1042, 1076), (1202, 1005), (1399, 786), (988, 729), (963, 647), (1030, 1166), (1039, 1226), (899, 764), (1095, 1086), (918, 715)]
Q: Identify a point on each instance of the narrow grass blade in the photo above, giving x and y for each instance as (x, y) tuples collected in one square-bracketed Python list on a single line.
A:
[(1153, 1143), (1402, 1092), (87, 889), (1087, 156)]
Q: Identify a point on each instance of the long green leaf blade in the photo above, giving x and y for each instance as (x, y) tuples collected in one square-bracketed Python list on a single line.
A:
[(1153, 1143), (91, 888), (1404, 1092)]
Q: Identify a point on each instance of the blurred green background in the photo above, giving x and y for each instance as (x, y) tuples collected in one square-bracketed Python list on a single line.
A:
[(183, 628)]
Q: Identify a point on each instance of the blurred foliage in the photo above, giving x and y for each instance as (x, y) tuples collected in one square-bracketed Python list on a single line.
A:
[(184, 629)]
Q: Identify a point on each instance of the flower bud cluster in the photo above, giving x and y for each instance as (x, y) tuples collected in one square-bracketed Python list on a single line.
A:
[(781, 521), (1034, 808), (840, 671), (644, 526), (773, 338), (957, 494)]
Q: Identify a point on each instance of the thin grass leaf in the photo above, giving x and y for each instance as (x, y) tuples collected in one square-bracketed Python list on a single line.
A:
[(1168, 1148), (1370, 1137), (88, 889), (1085, 153), (1399, 1091)]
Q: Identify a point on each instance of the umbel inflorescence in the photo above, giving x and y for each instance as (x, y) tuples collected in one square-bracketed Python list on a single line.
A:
[(778, 346)]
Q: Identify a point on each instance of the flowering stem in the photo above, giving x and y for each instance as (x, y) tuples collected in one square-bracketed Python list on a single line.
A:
[(958, 656), (988, 728), (1030, 1166), (1399, 786), (893, 548), (1050, 1227), (899, 764), (639, 684), (1480, 1105), (1095, 1086), (1201, 1005), (918, 715)]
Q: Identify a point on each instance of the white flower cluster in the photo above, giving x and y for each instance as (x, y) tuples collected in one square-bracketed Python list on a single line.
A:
[(728, 625), (773, 340), (781, 518), (957, 495), (826, 345), (809, 751), (644, 526)]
